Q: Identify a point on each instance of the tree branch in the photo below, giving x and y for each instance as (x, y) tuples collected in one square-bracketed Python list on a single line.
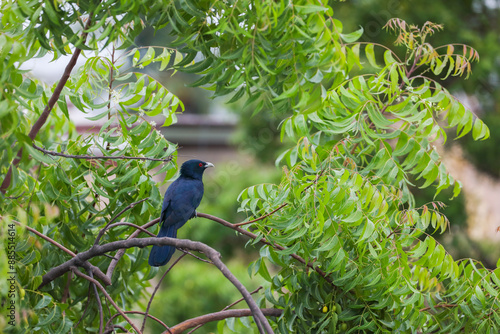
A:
[(119, 254), (109, 224), (156, 290), (50, 105), (102, 157), (241, 299), (262, 217), (211, 253), (254, 236), (227, 307), (140, 228), (109, 328), (87, 265), (96, 283), (201, 320), (98, 301), (425, 309)]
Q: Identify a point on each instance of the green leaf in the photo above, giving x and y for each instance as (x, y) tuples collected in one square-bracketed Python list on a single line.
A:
[(480, 130), (49, 318), (368, 230), (370, 55), (46, 300), (353, 36)]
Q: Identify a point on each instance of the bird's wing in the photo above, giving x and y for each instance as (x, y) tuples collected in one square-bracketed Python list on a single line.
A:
[(167, 207), (165, 210)]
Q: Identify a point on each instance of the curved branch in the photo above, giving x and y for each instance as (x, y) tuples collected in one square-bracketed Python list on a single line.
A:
[(46, 238), (211, 253), (119, 254), (178, 329), (109, 330), (96, 283), (110, 224), (97, 299), (156, 290), (87, 265), (228, 307), (139, 228)]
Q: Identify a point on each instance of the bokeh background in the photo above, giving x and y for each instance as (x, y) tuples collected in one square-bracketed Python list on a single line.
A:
[(243, 148)]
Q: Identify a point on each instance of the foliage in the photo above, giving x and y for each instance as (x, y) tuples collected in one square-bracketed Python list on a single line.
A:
[(486, 156), (346, 237), (471, 22)]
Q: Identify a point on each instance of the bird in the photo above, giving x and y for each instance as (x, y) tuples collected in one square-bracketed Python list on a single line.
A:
[(179, 205)]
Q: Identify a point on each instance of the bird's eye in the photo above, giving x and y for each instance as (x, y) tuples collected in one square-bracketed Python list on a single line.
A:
[(200, 164)]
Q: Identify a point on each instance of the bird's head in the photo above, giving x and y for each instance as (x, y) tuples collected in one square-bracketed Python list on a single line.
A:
[(194, 168)]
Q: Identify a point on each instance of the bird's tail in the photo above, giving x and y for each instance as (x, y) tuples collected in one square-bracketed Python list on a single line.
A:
[(160, 255)]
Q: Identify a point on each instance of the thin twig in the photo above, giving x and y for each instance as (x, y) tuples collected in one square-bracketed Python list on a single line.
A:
[(156, 290), (46, 238), (142, 229), (28, 207), (99, 304), (262, 217), (315, 180), (15, 197), (262, 240), (121, 327), (128, 207), (241, 299), (90, 279), (438, 306), (110, 88), (101, 157), (86, 306), (119, 254), (196, 257)]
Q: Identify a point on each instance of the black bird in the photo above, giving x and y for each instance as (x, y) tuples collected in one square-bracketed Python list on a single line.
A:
[(179, 205)]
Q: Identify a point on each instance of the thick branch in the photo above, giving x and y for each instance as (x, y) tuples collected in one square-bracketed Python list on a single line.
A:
[(211, 253), (178, 329), (87, 265)]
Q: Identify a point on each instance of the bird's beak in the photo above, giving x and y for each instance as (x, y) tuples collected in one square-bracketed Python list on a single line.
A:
[(209, 164)]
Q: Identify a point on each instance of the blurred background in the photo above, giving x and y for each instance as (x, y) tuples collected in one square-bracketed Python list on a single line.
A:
[(243, 148)]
